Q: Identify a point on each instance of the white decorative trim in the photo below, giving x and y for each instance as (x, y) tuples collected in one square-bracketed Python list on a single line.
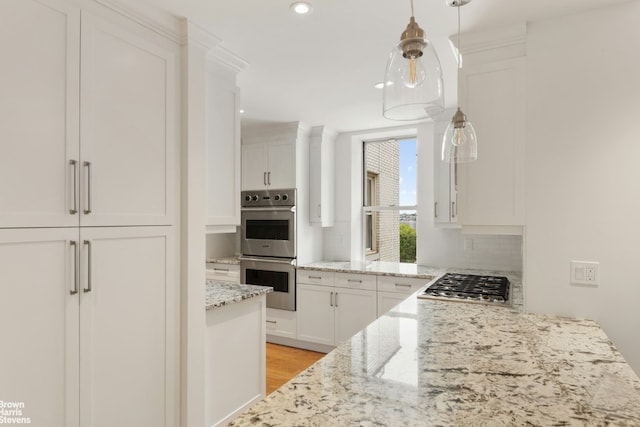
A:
[(199, 36), (492, 39), (163, 23), (223, 56)]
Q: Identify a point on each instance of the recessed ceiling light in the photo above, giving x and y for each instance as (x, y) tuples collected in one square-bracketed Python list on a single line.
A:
[(301, 7), (241, 111), (379, 85)]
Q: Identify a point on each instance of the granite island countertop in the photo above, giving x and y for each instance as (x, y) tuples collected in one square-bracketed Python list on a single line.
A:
[(219, 294), (437, 363)]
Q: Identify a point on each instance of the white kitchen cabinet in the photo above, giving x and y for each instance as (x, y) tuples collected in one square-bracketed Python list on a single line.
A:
[(330, 312), (281, 323), (90, 113), (392, 290), (128, 128), (91, 143), (39, 82), (112, 325), (269, 155), (354, 310), (268, 165), (223, 272), (491, 189), (321, 176), (40, 351), (129, 327), (445, 177), (223, 145)]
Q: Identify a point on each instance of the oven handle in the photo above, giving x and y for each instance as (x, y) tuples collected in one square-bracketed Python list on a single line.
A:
[(270, 209), (288, 261)]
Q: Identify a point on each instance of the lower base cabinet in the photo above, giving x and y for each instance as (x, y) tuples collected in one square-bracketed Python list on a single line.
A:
[(94, 340), (235, 368), (329, 314)]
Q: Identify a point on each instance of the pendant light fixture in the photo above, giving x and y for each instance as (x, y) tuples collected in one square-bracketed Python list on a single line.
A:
[(459, 144), (413, 88)]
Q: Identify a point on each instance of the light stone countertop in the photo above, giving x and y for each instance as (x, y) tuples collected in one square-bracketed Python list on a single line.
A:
[(219, 294), (231, 260), (382, 268), (438, 363)]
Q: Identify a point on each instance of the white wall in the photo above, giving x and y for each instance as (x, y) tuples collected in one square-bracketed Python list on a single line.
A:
[(583, 168)]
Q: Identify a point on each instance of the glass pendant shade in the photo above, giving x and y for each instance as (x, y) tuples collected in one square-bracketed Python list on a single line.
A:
[(413, 88), (459, 144)]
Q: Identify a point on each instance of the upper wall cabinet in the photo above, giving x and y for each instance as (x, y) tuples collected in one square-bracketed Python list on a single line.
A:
[(128, 128), (222, 141), (92, 137), (39, 82), (321, 176), (269, 157), (445, 178), (492, 94)]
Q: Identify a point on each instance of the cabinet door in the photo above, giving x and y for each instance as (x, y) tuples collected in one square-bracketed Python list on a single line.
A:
[(128, 327), (355, 309), (282, 165), (491, 189), (223, 152), (254, 166), (128, 131), (39, 83), (315, 313), (388, 300), (39, 314)]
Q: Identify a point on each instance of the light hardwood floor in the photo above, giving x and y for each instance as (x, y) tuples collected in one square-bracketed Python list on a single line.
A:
[(284, 363)]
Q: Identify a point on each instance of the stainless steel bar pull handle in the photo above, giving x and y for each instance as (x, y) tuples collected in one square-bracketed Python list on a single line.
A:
[(315, 277), (74, 209), (435, 210), (354, 281), (453, 209), (269, 178), (88, 166), (264, 178), (89, 287), (335, 300), (75, 267), (331, 300)]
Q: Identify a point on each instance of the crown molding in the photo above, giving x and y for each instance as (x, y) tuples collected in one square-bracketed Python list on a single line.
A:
[(156, 20), (198, 36), (492, 39), (223, 56)]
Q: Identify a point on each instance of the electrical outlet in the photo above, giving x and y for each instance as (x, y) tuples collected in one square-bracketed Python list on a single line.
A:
[(585, 273)]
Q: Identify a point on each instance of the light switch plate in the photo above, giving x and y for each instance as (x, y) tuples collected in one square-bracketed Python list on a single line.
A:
[(585, 273)]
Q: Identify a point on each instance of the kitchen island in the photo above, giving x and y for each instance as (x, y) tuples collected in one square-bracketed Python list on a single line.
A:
[(235, 349), (429, 362)]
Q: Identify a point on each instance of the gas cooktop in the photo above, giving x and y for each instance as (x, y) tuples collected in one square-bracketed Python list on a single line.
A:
[(469, 288)]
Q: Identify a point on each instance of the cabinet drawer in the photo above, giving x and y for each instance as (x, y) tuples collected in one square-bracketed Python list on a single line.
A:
[(403, 285), (315, 277), (356, 281), (282, 323), (223, 272)]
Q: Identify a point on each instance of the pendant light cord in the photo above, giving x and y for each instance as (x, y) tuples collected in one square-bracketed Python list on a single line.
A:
[(459, 61)]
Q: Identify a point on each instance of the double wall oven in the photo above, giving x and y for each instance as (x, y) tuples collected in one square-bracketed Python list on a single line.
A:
[(268, 244)]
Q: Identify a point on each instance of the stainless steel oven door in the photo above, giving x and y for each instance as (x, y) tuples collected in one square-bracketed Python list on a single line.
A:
[(280, 274), (269, 232)]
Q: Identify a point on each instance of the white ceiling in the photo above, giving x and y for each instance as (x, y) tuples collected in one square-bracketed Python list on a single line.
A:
[(320, 68)]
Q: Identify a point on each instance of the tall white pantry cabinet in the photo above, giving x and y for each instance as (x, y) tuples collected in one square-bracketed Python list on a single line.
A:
[(89, 171)]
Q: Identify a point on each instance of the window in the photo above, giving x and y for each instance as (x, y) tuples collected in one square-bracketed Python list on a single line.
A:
[(389, 195), (370, 217)]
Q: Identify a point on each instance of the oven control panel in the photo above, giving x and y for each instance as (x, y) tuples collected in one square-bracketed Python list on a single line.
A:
[(267, 198)]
